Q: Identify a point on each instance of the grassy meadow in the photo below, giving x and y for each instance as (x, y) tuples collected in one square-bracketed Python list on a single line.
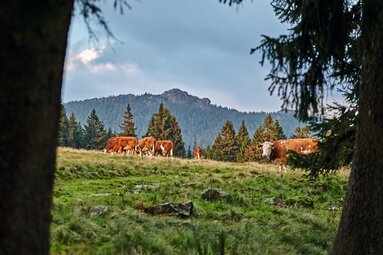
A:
[(304, 219)]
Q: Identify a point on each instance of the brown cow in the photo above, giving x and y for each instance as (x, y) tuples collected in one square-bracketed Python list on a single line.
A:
[(110, 145), (164, 147), (278, 149), (198, 152), (127, 144), (146, 146), (121, 144)]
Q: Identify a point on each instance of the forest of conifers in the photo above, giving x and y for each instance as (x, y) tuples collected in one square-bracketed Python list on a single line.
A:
[(199, 120)]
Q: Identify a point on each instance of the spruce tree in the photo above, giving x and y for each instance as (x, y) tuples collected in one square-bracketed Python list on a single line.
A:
[(128, 127), (216, 149), (243, 141), (279, 134), (189, 152), (272, 129), (225, 147), (109, 134), (302, 132), (209, 152), (94, 132), (63, 128), (252, 152), (75, 133), (175, 135), (159, 124), (164, 126)]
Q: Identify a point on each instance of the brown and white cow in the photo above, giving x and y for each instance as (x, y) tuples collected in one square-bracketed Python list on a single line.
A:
[(146, 146), (198, 152), (164, 147), (127, 144), (121, 144), (279, 148)]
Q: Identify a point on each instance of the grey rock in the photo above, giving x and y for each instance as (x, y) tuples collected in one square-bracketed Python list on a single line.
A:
[(214, 194), (253, 172), (275, 201), (140, 187), (98, 210), (183, 210)]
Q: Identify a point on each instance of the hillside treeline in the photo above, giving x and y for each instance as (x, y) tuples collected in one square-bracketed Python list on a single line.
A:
[(228, 145), (199, 119), (93, 135), (335, 148)]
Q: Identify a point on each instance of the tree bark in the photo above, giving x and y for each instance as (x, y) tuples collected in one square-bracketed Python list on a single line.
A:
[(32, 51), (361, 227)]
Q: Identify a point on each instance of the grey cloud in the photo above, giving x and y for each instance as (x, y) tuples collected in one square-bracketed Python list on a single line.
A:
[(200, 45)]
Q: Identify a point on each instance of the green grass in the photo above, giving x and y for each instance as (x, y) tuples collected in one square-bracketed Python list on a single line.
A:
[(244, 223)]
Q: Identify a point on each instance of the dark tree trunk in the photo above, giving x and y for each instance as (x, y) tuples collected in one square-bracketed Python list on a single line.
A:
[(361, 226), (32, 50)]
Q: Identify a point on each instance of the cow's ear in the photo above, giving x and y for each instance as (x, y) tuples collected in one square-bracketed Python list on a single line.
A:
[(259, 146), (272, 146)]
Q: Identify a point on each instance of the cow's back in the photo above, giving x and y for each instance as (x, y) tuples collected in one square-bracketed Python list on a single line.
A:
[(299, 145)]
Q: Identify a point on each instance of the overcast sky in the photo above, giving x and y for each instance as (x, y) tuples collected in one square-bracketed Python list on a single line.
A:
[(200, 46)]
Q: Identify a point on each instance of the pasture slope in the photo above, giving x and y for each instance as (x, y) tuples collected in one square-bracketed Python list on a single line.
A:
[(264, 213)]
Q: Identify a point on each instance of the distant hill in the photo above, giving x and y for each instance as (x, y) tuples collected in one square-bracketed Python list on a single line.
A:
[(198, 118)]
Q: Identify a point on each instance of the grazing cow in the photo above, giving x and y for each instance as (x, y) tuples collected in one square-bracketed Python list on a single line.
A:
[(110, 145), (164, 147), (278, 149), (198, 152), (127, 144), (121, 144), (146, 146)]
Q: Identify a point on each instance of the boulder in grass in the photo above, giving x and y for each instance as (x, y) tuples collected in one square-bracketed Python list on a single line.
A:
[(181, 209), (151, 187), (214, 194), (275, 201), (253, 172), (98, 210)]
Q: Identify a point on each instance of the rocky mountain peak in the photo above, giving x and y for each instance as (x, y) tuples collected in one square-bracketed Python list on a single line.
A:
[(182, 97)]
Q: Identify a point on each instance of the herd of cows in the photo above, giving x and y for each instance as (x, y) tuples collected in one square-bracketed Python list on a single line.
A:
[(149, 146)]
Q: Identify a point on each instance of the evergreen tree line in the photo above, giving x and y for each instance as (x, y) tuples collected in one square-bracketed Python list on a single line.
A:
[(238, 147), (195, 117), (93, 136), (228, 145)]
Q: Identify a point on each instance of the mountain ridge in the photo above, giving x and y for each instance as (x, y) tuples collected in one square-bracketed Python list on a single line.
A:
[(199, 119)]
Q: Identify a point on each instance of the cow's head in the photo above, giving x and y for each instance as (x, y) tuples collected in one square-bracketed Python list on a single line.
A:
[(266, 147)]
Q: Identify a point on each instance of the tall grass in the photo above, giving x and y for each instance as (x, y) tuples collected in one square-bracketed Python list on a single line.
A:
[(242, 223)]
